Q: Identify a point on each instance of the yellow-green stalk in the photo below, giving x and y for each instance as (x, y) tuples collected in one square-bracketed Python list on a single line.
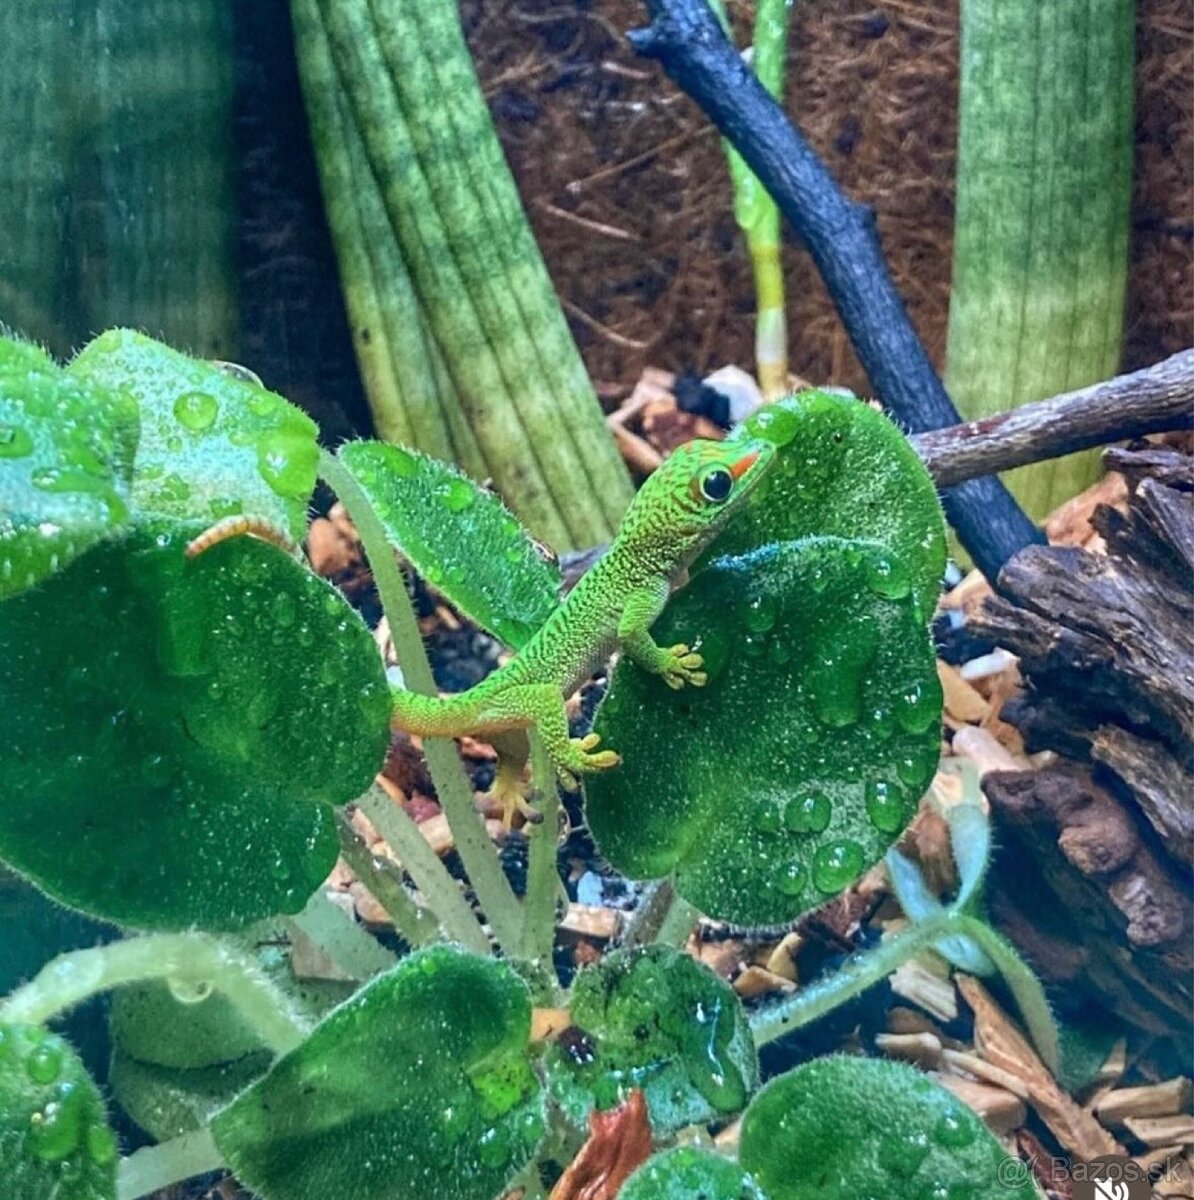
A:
[(1041, 236), (756, 213)]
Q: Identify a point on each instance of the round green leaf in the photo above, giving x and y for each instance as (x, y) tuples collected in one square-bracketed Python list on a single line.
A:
[(214, 442), (66, 454), (843, 1128), (177, 729), (169, 1101), (420, 1085), (151, 1022), (459, 537), (55, 1143), (777, 784), (689, 1173), (844, 470), (653, 1018)]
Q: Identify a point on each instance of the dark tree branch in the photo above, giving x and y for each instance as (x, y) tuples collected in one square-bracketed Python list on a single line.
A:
[(1155, 400), (686, 38)]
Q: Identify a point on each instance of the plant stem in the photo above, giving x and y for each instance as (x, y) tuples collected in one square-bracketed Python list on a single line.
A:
[(1043, 204), (384, 880), (840, 235), (543, 878), (757, 214), (451, 784), (425, 868), (156, 1167), (193, 958), (338, 935), (676, 925), (851, 979)]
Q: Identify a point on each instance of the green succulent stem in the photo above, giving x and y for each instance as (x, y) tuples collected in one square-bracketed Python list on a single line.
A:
[(756, 213), (153, 1168), (423, 865), (1041, 234), (455, 794), (851, 979), (427, 220), (183, 958), (543, 880), (412, 921)]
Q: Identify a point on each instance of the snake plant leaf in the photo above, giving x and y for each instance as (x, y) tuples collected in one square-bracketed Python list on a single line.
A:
[(214, 442), (188, 724), (419, 1085), (844, 470), (686, 1172), (66, 456), (842, 1127), (460, 537), (790, 773), (169, 1101), (653, 1018), (55, 1141)]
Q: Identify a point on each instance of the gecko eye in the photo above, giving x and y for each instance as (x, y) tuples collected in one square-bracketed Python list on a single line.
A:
[(716, 485)]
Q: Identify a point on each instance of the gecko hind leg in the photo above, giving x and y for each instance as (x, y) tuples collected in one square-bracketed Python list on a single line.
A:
[(513, 749)]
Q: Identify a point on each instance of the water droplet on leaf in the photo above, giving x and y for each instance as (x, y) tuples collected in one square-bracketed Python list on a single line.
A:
[(836, 865), (809, 814), (884, 806), (196, 411)]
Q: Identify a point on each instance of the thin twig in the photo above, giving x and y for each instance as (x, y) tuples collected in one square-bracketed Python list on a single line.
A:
[(1154, 400), (686, 38)]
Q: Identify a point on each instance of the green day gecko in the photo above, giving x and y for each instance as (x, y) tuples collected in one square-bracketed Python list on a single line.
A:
[(675, 515)]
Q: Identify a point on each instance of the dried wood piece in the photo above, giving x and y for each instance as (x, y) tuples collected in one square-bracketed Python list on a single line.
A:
[(1002, 1044), (923, 1049), (591, 921), (921, 981), (1151, 1100), (1001, 1110), (1067, 857), (619, 1142), (1177, 1129), (757, 981)]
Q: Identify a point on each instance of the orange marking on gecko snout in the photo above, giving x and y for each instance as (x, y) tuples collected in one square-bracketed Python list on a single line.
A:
[(744, 464)]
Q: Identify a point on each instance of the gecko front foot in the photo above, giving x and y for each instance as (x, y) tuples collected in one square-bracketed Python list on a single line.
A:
[(581, 758), (680, 665)]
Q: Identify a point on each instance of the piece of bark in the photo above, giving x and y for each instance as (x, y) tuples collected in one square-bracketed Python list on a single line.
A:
[(1092, 877), (1112, 926), (619, 1142), (1001, 1111), (1164, 1099), (1002, 1044)]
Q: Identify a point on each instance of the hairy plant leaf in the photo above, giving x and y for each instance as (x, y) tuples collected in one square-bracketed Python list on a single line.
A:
[(214, 442), (459, 537), (55, 1142), (420, 1085), (654, 1019), (777, 784), (844, 470), (185, 725), (66, 456), (689, 1173), (149, 1021), (169, 1101), (842, 1127)]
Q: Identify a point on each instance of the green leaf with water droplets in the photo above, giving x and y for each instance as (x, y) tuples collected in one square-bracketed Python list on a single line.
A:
[(420, 1085), (655, 1019), (776, 785), (55, 1141), (842, 1127), (187, 725), (461, 538), (844, 470), (66, 456), (214, 441), (689, 1173)]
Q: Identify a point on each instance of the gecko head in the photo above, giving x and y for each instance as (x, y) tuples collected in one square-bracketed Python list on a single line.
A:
[(689, 497)]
